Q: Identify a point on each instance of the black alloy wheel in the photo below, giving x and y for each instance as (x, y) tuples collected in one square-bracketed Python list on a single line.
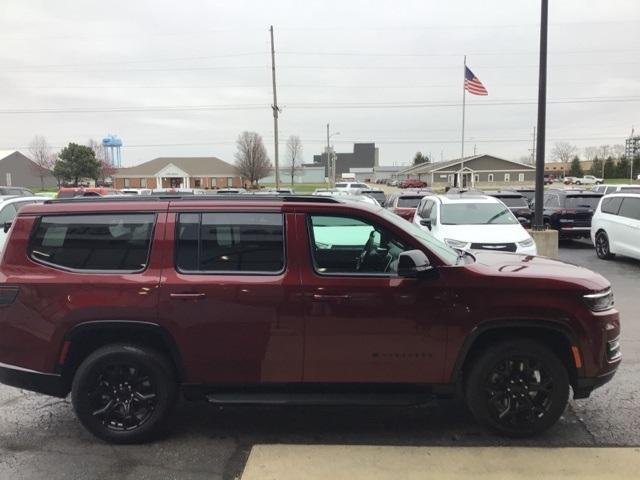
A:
[(124, 393), (517, 388), (603, 250)]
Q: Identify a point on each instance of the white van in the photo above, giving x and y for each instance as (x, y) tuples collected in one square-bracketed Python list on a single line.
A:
[(615, 227)]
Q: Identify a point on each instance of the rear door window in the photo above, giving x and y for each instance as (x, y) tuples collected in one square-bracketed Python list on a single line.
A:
[(611, 205), (408, 202), (630, 208), (119, 242), (577, 201), (225, 242)]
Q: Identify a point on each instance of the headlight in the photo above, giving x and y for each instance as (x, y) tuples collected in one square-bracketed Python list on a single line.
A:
[(455, 243), (600, 301), (526, 243)]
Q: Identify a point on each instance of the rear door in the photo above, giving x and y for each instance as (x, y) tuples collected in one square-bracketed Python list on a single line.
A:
[(629, 227), (231, 291)]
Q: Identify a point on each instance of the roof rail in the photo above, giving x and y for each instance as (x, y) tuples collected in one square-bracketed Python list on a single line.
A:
[(219, 197)]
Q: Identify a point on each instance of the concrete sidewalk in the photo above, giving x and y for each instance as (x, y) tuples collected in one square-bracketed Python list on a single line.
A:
[(337, 462)]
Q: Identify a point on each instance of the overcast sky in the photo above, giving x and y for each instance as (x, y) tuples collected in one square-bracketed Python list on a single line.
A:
[(185, 78)]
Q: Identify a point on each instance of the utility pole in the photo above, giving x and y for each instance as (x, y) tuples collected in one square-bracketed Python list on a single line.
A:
[(533, 148), (275, 108), (538, 223), (329, 166), (474, 149)]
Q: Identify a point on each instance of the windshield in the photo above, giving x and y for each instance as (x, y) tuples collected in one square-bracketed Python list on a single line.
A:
[(448, 255), (409, 202), (379, 196), (514, 201), (476, 214), (577, 201)]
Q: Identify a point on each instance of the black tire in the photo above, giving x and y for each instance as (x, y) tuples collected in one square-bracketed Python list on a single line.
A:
[(603, 249), (124, 393), (506, 395), (578, 182)]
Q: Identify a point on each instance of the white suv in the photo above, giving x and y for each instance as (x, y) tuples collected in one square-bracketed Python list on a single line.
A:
[(473, 222), (615, 226), (350, 186)]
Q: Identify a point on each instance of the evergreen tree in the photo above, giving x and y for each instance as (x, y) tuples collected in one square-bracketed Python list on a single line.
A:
[(76, 162), (609, 168), (596, 167), (623, 167), (576, 169)]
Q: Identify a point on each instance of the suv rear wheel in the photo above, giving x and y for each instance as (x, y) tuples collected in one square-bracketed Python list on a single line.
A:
[(124, 393), (517, 388)]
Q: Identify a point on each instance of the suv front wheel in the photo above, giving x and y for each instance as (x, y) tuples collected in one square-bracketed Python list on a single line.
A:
[(517, 388), (124, 393)]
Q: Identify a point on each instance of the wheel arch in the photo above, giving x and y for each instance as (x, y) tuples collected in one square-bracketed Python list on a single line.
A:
[(86, 337), (558, 337)]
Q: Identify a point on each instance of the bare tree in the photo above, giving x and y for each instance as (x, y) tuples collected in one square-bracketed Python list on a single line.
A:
[(590, 153), (617, 150), (604, 151), (252, 161), (564, 151), (42, 156), (294, 153)]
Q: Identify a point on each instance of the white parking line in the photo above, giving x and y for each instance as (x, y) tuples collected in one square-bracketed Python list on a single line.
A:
[(337, 462)]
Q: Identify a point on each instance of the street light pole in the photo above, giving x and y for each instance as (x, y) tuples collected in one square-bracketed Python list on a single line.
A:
[(538, 223), (275, 108)]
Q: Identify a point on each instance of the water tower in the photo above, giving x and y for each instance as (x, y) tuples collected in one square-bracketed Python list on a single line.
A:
[(112, 145)]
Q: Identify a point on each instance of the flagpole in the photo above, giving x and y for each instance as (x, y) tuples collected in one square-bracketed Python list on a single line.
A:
[(464, 95)]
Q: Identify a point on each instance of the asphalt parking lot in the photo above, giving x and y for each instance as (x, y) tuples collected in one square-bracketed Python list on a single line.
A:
[(40, 438)]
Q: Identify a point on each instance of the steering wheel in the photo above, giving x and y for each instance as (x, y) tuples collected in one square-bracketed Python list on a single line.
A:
[(368, 249)]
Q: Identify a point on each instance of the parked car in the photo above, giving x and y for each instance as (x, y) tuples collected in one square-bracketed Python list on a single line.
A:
[(615, 227), (412, 183), (268, 300), (21, 191), (586, 180), (528, 193), (9, 206), (137, 191), (227, 191), (570, 211), (549, 179), (517, 203), (606, 189), (470, 221), (374, 193), (72, 192), (404, 204), (350, 186)]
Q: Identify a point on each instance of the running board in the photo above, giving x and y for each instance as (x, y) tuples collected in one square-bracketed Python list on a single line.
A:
[(318, 399)]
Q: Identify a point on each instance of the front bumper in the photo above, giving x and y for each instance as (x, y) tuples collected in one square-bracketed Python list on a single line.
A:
[(46, 383), (584, 386)]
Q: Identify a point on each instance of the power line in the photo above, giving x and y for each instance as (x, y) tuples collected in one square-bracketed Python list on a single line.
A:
[(364, 105)]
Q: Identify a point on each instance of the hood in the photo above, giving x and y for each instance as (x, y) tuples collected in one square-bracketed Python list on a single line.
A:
[(513, 265), (484, 233)]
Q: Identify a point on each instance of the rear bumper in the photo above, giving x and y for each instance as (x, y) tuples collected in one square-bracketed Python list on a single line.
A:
[(46, 383), (575, 231)]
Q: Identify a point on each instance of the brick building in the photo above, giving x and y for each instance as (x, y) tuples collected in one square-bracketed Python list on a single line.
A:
[(179, 172)]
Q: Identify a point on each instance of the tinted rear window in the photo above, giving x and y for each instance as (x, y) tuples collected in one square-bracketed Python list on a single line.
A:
[(94, 242), (342, 185), (630, 208), (230, 242), (611, 205), (409, 202), (584, 201)]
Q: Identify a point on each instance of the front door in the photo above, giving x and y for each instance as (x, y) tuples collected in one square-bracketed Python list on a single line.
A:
[(364, 324), (233, 295)]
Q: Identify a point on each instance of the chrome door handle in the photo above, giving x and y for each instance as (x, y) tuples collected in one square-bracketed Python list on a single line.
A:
[(187, 296), (319, 296)]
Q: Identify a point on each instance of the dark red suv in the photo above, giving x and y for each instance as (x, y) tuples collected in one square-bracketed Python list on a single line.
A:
[(125, 302)]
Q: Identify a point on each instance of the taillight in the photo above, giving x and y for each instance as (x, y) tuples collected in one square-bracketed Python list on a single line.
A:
[(8, 294)]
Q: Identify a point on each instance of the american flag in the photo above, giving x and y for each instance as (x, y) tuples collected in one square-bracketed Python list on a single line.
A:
[(472, 84)]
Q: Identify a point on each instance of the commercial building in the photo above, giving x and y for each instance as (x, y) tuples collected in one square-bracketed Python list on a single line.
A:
[(371, 174), (302, 174), (18, 170), (485, 169), (364, 155), (179, 172)]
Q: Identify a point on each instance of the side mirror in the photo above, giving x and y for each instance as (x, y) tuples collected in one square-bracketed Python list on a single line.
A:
[(413, 264), (426, 223), (6, 226)]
